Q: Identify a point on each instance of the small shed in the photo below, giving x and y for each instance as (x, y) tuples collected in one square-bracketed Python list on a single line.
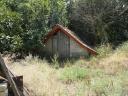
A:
[(63, 42)]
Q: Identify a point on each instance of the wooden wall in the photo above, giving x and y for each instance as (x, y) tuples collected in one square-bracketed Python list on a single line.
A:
[(76, 50), (64, 46), (48, 47)]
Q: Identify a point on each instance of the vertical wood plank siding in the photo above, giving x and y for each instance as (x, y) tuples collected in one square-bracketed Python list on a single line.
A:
[(64, 46), (55, 44), (76, 50), (48, 47)]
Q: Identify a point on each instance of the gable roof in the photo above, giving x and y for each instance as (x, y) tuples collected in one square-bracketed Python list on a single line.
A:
[(70, 34)]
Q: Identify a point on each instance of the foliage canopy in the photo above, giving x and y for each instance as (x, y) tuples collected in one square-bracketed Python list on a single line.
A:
[(23, 23)]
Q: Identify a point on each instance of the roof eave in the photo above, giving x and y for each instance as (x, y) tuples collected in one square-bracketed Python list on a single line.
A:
[(58, 27)]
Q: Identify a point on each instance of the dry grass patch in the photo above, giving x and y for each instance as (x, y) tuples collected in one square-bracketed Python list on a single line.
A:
[(38, 76), (104, 75)]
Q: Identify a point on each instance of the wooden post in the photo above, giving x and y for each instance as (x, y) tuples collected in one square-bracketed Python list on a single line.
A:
[(19, 82), (9, 78)]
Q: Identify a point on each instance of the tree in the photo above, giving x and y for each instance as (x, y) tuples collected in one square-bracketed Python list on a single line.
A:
[(23, 23), (58, 13), (99, 18), (9, 28)]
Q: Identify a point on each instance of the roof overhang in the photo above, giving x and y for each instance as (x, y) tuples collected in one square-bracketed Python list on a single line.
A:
[(67, 32)]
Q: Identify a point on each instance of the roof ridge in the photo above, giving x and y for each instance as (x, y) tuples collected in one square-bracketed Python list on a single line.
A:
[(69, 33)]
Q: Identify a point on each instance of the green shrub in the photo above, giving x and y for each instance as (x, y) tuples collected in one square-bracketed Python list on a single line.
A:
[(123, 47), (104, 50), (74, 73)]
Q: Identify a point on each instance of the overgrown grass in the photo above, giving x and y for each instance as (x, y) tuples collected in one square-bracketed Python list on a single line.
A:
[(73, 73), (103, 75), (104, 50)]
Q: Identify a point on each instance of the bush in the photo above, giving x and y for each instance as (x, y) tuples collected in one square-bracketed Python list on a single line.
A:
[(73, 73), (123, 47), (104, 50)]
